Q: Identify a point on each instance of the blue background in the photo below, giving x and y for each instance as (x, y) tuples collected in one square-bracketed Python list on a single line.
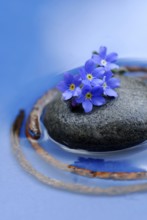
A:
[(39, 38)]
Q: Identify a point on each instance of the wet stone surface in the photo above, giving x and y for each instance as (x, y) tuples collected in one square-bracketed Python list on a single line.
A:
[(119, 124)]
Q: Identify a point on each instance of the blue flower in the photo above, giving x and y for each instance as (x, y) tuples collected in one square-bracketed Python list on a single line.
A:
[(70, 86), (109, 84), (89, 73), (94, 82), (91, 96), (104, 60)]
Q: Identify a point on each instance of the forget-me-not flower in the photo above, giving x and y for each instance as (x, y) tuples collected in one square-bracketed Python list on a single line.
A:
[(109, 84), (90, 74), (108, 62), (91, 96), (70, 86)]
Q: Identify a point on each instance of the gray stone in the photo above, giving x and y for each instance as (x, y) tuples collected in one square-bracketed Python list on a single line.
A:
[(119, 124)]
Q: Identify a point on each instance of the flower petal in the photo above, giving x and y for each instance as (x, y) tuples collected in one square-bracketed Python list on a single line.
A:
[(103, 52), (67, 95), (87, 105), (108, 75), (98, 72), (112, 57), (68, 78), (82, 73), (97, 91), (86, 89), (110, 92), (62, 86), (89, 66), (113, 83), (86, 82), (77, 92), (96, 58), (98, 101), (97, 82), (80, 99), (77, 80)]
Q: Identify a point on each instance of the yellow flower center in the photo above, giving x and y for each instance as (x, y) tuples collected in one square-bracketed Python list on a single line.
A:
[(103, 62), (88, 95), (104, 85), (89, 76), (72, 87)]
